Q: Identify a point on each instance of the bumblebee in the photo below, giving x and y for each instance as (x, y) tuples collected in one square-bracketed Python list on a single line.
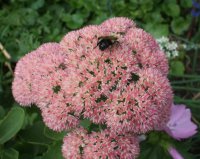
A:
[(105, 42)]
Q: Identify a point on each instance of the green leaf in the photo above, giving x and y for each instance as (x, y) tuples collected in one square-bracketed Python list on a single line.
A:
[(26, 43), (2, 112), (28, 150), (86, 123), (13, 19), (73, 21), (177, 68), (11, 124), (29, 119), (186, 3), (179, 25), (183, 148), (1, 60), (146, 6), (54, 151), (10, 154), (37, 4), (54, 135), (30, 17), (157, 30), (155, 146), (171, 9), (154, 17), (99, 19), (150, 151), (35, 134)]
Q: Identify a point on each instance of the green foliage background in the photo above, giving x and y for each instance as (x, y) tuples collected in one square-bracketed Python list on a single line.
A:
[(26, 24)]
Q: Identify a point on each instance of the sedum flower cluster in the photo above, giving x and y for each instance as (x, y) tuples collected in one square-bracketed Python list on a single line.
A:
[(124, 86)]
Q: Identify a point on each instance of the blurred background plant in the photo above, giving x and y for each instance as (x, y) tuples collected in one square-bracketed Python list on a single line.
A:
[(26, 24)]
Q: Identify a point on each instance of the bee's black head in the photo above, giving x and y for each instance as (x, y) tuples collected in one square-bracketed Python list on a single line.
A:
[(104, 44)]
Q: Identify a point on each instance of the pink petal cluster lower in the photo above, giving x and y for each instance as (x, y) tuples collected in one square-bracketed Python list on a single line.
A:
[(79, 144), (124, 86)]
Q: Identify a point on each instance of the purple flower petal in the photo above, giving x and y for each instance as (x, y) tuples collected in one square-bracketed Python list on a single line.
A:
[(196, 4), (174, 153), (180, 125), (176, 112)]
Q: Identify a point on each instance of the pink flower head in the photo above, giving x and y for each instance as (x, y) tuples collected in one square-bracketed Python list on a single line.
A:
[(23, 81), (180, 125), (58, 116), (143, 106), (29, 70), (146, 50), (49, 74), (118, 24), (69, 41), (73, 144), (101, 82), (79, 144), (124, 85), (174, 153), (107, 145)]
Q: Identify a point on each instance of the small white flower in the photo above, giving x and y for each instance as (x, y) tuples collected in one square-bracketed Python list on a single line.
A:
[(169, 48), (163, 39)]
